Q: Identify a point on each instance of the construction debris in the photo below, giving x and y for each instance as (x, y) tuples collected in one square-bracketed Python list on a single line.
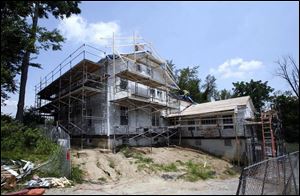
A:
[(19, 169), (48, 182)]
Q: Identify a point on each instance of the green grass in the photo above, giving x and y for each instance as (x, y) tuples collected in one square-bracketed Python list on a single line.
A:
[(171, 167), (76, 175), (196, 172), (25, 155)]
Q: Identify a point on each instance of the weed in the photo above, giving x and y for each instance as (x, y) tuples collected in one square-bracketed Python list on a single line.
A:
[(230, 171), (111, 163), (76, 174), (102, 179), (118, 172), (180, 162), (196, 172), (141, 159), (98, 164), (168, 167)]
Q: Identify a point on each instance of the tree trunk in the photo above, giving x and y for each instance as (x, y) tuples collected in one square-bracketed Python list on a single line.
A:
[(24, 73), (25, 65)]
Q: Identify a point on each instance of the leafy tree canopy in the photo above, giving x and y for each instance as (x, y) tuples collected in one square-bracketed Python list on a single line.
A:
[(258, 91)]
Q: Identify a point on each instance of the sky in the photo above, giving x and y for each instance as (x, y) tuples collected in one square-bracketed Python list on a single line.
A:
[(234, 41)]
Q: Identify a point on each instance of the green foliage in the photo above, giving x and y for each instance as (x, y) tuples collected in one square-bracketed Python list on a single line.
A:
[(209, 88), (76, 174), (13, 44), (288, 108), (188, 81), (32, 118), (196, 172), (22, 142), (258, 91), (171, 167), (222, 95), (5, 118), (22, 37)]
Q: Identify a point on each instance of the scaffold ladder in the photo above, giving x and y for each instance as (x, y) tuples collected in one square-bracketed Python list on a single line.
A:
[(268, 139)]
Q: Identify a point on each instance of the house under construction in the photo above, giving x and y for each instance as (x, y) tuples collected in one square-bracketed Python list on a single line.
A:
[(124, 97)]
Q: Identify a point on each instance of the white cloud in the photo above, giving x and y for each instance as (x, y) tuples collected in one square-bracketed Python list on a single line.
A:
[(78, 30), (236, 68)]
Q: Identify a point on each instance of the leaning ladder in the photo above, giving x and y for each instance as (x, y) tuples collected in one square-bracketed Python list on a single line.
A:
[(268, 139)]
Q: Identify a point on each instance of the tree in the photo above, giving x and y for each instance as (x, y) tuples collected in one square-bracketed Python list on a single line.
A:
[(258, 91), (41, 38), (187, 79), (209, 88), (287, 105), (289, 71), (171, 66), (13, 43), (222, 95)]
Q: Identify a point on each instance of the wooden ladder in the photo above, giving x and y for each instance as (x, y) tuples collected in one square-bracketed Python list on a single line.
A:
[(268, 139)]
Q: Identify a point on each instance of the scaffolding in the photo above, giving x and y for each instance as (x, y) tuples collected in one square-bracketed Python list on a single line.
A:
[(65, 93)]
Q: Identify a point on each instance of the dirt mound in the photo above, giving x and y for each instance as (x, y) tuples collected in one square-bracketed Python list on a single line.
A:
[(138, 163)]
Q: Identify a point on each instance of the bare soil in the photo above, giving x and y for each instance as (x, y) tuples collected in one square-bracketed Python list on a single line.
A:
[(108, 173)]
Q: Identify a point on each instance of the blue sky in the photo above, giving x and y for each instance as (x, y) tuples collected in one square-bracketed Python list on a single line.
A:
[(234, 41)]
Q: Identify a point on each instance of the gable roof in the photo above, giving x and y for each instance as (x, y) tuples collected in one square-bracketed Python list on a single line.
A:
[(215, 106)]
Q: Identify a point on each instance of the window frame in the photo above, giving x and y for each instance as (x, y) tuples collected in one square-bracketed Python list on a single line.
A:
[(227, 142), (124, 115)]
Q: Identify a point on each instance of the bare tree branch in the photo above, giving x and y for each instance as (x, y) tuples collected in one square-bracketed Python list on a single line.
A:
[(289, 71)]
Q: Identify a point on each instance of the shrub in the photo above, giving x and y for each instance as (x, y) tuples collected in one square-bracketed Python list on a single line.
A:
[(22, 142), (196, 172), (76, 174)]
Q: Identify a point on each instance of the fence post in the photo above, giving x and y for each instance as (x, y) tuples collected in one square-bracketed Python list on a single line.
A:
[(240, 182), (263, 185), (292, 171)]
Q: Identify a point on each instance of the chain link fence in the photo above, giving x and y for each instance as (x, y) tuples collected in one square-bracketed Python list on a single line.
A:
[(59, 163), (275, 176)]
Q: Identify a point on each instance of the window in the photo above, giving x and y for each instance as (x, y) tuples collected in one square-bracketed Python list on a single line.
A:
[(149, 71), (123, 115), (228, 127), (227, 119), (155, 118), (191, 122), (123, 84), (209, 121), (159, 95), (152, 92), (138, 67), (227, 142), (227, 122)]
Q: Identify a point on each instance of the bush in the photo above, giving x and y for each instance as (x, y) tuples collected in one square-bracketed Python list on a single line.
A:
[(22, 142), (196, 172), (76, 174)]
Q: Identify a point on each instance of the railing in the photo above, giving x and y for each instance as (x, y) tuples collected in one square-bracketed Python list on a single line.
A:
[(85, 51), (276, 176)]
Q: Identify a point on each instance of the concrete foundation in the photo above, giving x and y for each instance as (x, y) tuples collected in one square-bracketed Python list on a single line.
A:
[(229, 149)]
